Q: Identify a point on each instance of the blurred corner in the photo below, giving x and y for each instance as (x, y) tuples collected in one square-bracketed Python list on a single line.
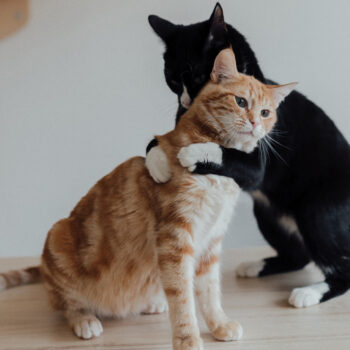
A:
[(14, 15)]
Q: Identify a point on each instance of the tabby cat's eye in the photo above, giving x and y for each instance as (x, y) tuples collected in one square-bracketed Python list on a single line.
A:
[(242, 102), (265, 113)]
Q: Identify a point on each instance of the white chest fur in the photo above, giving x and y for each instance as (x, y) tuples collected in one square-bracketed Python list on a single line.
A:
[(211, 206)]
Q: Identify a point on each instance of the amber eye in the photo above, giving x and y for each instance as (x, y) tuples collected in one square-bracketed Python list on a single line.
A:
[(265, 113), (242, 102)]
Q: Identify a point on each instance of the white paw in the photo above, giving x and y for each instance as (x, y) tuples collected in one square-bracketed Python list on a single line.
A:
[(199, 153), (187, 342), (156, 308), (308, 296), (232, 330), (185, 98), (87, 327), (239, 146), (250, 268), (157, 165)]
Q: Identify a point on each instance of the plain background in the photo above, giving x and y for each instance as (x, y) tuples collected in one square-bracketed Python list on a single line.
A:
[(82, 89)]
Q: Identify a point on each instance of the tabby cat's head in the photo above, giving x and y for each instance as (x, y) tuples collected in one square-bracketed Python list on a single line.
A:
[(240, 109)]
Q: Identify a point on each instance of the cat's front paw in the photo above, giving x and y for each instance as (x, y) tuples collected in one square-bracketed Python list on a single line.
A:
[(157, 165), (187, 342), (308, 296), (199, 153), (228, 331), (250, 268)]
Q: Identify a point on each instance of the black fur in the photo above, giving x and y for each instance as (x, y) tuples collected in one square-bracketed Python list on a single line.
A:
[(152, 144), (308, 178), (190, 53)]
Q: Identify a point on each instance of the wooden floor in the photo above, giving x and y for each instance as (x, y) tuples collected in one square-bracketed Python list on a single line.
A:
[(260, 305)]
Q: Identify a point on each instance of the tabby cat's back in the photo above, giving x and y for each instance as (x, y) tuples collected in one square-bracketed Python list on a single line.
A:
[(104, 244)]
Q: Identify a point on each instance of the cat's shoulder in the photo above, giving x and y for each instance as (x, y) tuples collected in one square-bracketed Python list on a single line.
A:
[(214, 183)]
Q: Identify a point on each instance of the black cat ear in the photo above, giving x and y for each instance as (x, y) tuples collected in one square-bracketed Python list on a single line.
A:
[(162, 27), (217, 26), (217, 15)]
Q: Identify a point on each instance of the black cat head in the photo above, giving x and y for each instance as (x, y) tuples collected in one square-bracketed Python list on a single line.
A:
[(190, 52)]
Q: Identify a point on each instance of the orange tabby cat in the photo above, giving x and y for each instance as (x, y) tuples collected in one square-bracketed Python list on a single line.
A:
[(134, 246)]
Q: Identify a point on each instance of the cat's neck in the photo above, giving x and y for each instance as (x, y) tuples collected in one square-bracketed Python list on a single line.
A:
[(192, 128)]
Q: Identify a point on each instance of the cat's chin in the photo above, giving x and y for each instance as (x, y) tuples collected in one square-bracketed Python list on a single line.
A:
[(246, 146)]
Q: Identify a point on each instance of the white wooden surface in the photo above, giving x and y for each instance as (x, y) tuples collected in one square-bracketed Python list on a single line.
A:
[(260, 305)]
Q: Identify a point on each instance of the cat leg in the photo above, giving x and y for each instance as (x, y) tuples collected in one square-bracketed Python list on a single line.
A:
[(84, 323), (318, 292), (176, 263), (326, 232), (282, 233), (209, 298), (156, 305)]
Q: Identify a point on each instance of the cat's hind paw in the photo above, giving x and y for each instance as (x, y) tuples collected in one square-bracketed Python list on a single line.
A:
[(87, 327), (250, 268), (156, 308)]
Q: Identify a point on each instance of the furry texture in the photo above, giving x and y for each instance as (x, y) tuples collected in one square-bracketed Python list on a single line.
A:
[(18, 277), (191, 51), (130, 242), (301, 171)]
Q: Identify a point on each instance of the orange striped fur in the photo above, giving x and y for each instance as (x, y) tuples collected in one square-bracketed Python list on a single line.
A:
[(133, 246), (18, 277)]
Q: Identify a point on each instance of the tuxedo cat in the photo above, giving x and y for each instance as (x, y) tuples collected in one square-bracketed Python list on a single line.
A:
[(299, 179)]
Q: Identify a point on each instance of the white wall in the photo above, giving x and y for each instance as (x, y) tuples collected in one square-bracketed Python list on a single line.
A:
[(81, 90)]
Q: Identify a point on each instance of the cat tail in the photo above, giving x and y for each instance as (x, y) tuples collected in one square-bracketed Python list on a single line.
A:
[(16, 278)]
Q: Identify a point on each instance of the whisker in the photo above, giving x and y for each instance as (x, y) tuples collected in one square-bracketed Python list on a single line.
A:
[(278, 132), (274, 151), (277, 142), (261, 152), (265, 153)]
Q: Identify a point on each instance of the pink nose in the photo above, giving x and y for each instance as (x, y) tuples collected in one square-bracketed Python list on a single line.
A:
[(253, 123)]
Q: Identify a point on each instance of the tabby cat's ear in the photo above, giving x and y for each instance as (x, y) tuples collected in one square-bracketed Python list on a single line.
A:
[(217, 28), (280, 92), (163, 28), (224, 66)]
